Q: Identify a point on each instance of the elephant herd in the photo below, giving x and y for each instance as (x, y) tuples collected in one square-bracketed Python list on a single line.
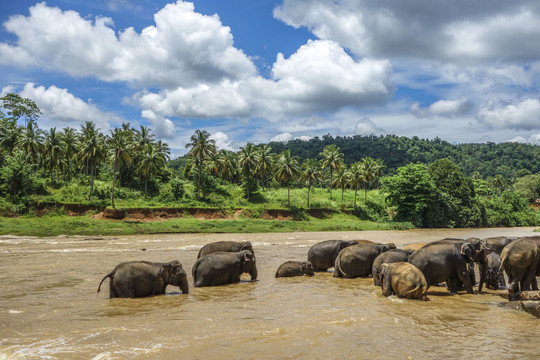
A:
[(406, 273)]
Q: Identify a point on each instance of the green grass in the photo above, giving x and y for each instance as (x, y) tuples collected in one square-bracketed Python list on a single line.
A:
[(85, 225)]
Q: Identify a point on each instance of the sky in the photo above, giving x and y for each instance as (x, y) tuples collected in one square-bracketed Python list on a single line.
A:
[(267, 70)]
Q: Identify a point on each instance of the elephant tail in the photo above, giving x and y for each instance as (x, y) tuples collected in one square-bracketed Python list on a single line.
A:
[(109, 275), (411, 294), (338, 271)]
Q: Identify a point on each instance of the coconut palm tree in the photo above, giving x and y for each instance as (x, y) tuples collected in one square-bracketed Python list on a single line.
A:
[(69, 141), (332, 160), (356, 177), (265, 160), (202, 147), (91, 150), (120, 147), (286, 170), (311, 174), (342, 179), (247, 159), (370, 169), (31, 141), (10, 133), (53, 151), (151, 164)]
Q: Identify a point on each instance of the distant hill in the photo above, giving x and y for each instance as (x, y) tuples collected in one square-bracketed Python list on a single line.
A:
[(508, 159)]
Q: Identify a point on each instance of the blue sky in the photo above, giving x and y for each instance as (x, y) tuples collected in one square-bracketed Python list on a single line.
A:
[(256, 71)]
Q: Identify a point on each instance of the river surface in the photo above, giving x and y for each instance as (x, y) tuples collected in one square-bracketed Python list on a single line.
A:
[(49, 308)]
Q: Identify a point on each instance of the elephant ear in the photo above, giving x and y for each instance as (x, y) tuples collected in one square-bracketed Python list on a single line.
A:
[(165, 271), (467, 249), (382, 270)]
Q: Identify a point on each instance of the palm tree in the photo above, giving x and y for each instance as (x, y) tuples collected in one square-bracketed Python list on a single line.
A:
[(151, 164), (356, 178), (143, 137), (372, 169), (226, 163), (202, 147), (31, 141), (341, 180), (53, 151), (287, 169), (10, 134), (333, 160), (247, 158), (119, 148), (265, 161), (69, 139), (311, 174), (91, 150)]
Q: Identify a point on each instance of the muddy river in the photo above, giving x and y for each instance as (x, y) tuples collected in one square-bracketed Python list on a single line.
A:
[(49, 308)]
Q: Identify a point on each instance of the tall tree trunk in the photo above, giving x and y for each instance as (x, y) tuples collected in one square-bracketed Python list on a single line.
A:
[(355, 192), (308, 189), (289, 195), (199, 183), (91, 184), (114, 178), (330, 183)]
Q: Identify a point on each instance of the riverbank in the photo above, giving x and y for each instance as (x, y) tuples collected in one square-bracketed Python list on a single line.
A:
[(167, 221)]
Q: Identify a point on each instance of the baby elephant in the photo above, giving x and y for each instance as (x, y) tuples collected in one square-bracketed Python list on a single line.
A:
[(143, 278), (295, 268), (403, 280), (222, 268)]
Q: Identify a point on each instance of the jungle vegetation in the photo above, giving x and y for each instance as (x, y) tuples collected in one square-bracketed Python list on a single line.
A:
[(426, 183)]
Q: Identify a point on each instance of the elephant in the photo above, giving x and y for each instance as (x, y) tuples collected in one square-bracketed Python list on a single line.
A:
[(323, 254), (520, 260), (143, 278), (357, 260), (225, 246), (494, 275), (403, 280), (498, 243), (295, 268), (221, 268), (390, 256), (447, 260)]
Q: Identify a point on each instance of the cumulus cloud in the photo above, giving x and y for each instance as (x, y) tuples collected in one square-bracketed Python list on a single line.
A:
[(183, 48), (223, 142), (283, 137), (524, 115), (445, 108), (458, 30), (161, 126), (366, 127), (61, 108)]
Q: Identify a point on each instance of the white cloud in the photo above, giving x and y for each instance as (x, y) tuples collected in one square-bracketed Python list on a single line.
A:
[(162, 127), (183, 48), (523, 115), (366, 127), (222, 141), (445, 108), (63, 109), (283, 137)]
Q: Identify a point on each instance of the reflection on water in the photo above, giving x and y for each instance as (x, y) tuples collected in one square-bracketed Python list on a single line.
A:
[(50, 308)]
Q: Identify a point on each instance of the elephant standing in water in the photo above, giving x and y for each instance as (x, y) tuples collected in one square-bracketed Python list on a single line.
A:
[(390, 256), (295, 268), (143, 278), (403, 280), (225, 246), (520, 260), (447, 260), (357, 260), (494, 275), (223, 268), (323, 254)]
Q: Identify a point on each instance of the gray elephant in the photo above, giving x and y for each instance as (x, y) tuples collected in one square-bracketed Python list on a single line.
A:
[(295, 268), (494, 275), (357, 260), (520, 260), (323, 254), (225, 246), (221, 268), (143, 278), (447, 260), (390, 256), (403, 280), (498, 243)]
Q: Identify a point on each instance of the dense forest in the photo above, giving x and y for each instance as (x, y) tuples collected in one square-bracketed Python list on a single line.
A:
[(427, 183), (509, 159)]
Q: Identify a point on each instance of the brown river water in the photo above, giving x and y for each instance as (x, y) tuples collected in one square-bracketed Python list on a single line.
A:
[(49, 308)]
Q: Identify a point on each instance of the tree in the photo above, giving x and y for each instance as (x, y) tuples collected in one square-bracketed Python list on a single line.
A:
[(247, 158), (53, 152), (69, 142), (333, 160), (18, 107), (31, 141), (202, 147), (411, 191), (91, 151), (311, 174), (119, 148), (357, 177), (528, 187), (15, 175), (151, 164), (371, 169), (342, 180), (287, 169), (265, 160)]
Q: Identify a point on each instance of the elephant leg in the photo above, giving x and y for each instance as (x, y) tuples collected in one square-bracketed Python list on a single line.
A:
[(453, 284), (112, 291), (465, 277), (502, 282), (534, 284)]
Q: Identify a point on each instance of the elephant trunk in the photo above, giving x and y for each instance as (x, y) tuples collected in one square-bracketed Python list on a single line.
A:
[(184, 286)]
